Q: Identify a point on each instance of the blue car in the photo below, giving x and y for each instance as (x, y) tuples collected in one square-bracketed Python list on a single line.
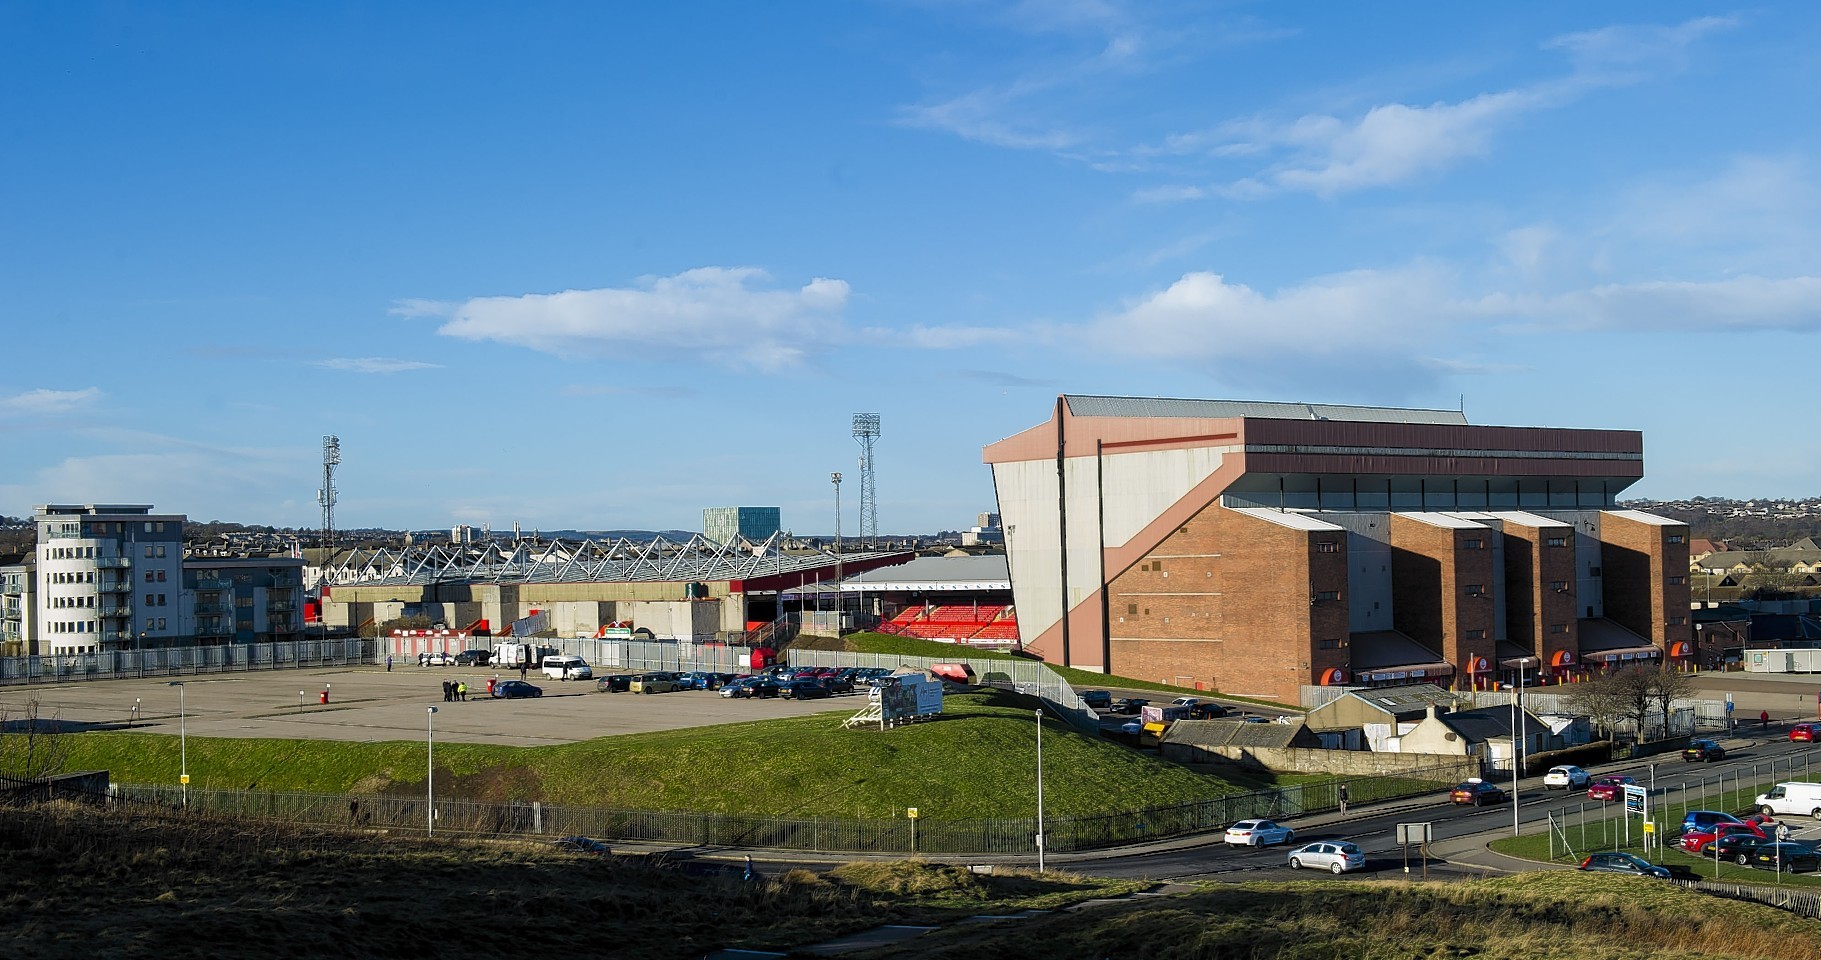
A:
[(516, 690)]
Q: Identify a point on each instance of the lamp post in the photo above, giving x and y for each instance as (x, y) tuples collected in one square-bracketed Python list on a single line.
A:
[(1039, 791), (837, 480), (430, 780), (1517, 739), (183, 743)]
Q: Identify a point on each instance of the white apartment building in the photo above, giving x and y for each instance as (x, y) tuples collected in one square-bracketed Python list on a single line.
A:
[(109, 577)]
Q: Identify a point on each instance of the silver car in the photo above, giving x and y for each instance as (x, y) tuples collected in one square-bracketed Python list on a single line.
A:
[(1330, 855), (1566, 777)]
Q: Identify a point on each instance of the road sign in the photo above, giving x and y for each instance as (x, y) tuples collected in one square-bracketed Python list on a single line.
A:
[(1414, 832), (911, 812), (1635, 798)]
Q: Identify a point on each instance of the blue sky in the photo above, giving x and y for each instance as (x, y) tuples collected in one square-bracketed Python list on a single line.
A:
[(603, 265)]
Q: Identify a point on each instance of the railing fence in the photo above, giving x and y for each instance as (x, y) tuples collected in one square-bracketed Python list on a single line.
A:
[(172, 661)]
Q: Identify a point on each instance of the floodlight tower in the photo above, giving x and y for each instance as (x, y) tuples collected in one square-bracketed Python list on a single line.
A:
[(331, 458), (866, 430)]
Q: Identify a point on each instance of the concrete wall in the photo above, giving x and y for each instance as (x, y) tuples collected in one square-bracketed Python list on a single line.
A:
[(1345, 763)]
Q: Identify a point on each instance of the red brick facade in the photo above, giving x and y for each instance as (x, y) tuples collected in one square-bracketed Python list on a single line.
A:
[(1540, 606), (1639, 559), (1441, 592)]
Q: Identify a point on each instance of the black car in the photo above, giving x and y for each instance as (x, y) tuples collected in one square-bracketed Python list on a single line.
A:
[(1733, 846), (615, 683), (1788, 856), (474, 658), (1614, 862), (1698, 750), (1206, 711), (516, 690), (1129, 705), (804, 690)]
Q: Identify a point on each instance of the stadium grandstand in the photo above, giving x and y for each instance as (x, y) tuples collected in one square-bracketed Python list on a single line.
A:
[(960, 599)]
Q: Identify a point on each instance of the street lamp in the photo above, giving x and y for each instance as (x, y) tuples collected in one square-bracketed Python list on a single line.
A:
[(430, 781), (1517, 738), (1039, 791), (183, 743), (837, 479)]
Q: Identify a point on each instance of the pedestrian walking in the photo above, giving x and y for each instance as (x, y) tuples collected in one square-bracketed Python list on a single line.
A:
[(388, 663), (1343, 798), (1763, 718)]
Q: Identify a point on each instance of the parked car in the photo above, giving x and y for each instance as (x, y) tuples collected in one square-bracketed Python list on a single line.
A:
[(1804, 732), (582, 845), (567, 668), (516, 690), (1701, 819), (1730, 846), (1609, 788), (1097, 699), (804, 690), (739, 686), (1703, 750), (1128, 705), (614, 683), (1258, 833), (439, 659), (1615, 862), (655, 682), (1799, 798), (1207, 711), (1789, 856), (763, 688), (474, 658), (1566, 777), (1329, 855), (1476, 792), (837, 684), (1697, 841), (1185, 701)]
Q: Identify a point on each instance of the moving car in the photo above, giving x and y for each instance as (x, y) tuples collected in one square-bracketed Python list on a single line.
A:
[(1566, 777), (1476, 792), (1097, 699), (655, 682), (1615, 862), (1258, 833), (1804, 732), (1329, 855), (1609, 788), (516, 690), (1703, 750), (567, 668)]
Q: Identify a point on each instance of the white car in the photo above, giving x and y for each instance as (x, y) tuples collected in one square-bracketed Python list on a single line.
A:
[(1258, 833), (567, 668), (1329, 855), (440, 660), (1566, 777), (1185, 701)]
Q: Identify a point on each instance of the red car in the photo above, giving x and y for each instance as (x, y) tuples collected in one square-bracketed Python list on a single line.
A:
[(1697, 841), (1803, 732), (1609, 788)]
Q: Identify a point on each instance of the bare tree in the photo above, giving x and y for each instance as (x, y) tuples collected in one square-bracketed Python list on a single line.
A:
[(1667, 687), (30, 745), (1633, 687), (1599, 700)]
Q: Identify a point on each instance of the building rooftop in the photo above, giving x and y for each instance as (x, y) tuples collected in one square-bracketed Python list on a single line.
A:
[(1092, 406)]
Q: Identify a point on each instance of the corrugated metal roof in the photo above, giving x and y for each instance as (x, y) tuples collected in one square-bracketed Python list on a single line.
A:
[(1452, 521), (1082, 406), (941, 573), (1288, 518), (1642, 517)]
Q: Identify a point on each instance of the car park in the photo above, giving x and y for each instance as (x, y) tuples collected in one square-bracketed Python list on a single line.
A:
[(1615, 862), (1697, 841), (1609, 788), (1476, 792), (1804, 732), (655, 682), (1258, 833), (1097, 699), (516, 690), (1566, 777), (1699, 751), (566, 668), (614, 683), (1789, 856), (1330, 855)]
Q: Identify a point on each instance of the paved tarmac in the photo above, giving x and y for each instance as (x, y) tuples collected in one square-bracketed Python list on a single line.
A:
[(367, 703)]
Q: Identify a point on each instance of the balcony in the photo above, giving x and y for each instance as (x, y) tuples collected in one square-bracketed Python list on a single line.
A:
[(11, 589), (281, 606), (111, 610), (204, 609), (214, 629), (122, 585), (213, 585), (113, 563)]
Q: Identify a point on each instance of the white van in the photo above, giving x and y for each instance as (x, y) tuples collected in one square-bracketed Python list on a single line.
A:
[(1801, 799), (567, 668)]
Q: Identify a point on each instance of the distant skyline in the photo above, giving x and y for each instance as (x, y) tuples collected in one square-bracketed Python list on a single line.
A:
[(602, 266)]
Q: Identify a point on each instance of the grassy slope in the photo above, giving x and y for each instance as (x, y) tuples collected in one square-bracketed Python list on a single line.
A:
[(976, 761), (82, 885), (1541, 916), (885, 643)]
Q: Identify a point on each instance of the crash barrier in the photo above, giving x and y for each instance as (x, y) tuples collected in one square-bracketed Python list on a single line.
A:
[(1027, 676), (174, 661), (932, 835), (1801, 904)]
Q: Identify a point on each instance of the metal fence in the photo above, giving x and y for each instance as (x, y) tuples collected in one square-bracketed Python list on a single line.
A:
[(172, 661), (1006, 835), (634, 656), (1801, 904)]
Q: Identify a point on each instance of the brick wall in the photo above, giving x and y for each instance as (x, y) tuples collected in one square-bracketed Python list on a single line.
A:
[(1434, 570), (1225, 603), (1638, 559), (1538, 615)]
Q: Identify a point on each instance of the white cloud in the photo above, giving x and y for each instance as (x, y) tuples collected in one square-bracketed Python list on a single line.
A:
[(47, 402), (374, 364), (1625, 52), (724, 313), (1664, 306)]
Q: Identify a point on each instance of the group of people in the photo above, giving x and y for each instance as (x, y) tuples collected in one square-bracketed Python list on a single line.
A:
[(454, 690)]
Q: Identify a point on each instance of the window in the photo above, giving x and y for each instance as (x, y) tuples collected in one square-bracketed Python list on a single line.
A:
[(1677, 621), (1476, 590), (1473, 543), (1327, 546), (148, 576), (1593, 571), (1675, 538), (148, 552), (148, 599), (1327, 594), (1476, 634), (1555, 541), (160, 623), (1330, 644), (1131, 609), (161, 576), (161, 550), (161, 600), (1558, 628), (1677, 581), (148, 526)]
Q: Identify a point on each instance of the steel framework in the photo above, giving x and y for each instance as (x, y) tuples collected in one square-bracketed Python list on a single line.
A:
[(866, 431), (331, 457)]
